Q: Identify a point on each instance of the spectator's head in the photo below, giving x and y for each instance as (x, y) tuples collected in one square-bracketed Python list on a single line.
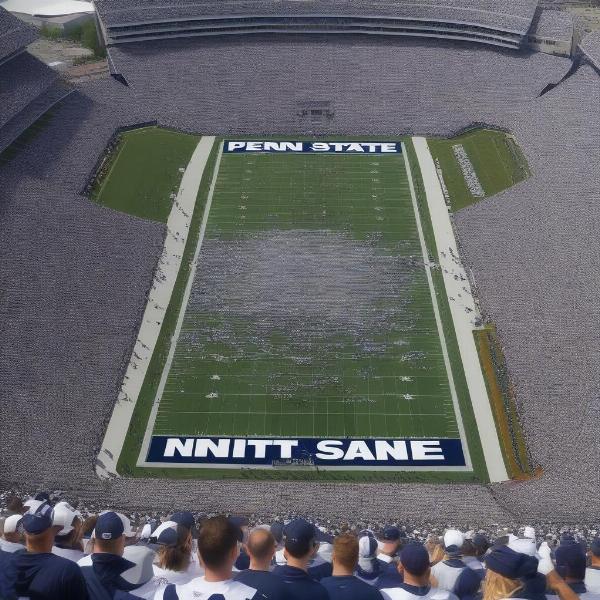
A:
[(300, 542), (218, 546), (261, 548), (14, 505), (453, 542), (595, 552), (110, 533), (571, 562), (174, 548), (38, 528), (389, 540), (522, 545), (185, 519), (70, 520), (241, 523), (13, 529), (414, 564), (367, 553), (142, 570), (481, 545), (505, 571), (435, 548), (87, 529), (345, 554)]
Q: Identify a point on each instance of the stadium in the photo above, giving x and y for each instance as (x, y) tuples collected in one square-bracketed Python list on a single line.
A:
[(331, 259)]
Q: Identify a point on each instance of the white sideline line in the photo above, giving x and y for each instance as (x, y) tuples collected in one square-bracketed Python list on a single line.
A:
[(463, 309), (159, 297), (182, 309), (438, 319)]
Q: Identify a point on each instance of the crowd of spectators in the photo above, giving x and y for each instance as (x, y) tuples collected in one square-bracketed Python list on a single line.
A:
[(50, 551), (68, 328)]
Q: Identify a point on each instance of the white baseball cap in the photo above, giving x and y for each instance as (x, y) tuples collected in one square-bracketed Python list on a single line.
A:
[(522, 545), (453, 539), (64, 514), (166, 525), (529, 532), (12, 523)]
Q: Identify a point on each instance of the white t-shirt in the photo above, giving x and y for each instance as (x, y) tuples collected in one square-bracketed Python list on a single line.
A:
[(399, 593), (176, 577), (473, 563), (200, 589), (592, 580), (70, 553), (10, 546), (445, 575)]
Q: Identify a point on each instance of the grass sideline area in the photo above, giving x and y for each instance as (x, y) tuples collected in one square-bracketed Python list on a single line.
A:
[(127, 463), (143, 172), (496, 158)]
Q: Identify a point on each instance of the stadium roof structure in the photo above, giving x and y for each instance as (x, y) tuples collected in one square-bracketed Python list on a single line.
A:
[(48, 8), (484, 21), (15, 35)]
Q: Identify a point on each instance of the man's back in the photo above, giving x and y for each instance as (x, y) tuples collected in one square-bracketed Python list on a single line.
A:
[(200, 589), (447, 572), (269, 586), (348, 587), (299, 585), (44, 576)]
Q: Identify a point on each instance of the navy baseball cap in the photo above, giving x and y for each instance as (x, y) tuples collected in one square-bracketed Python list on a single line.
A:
[(39, 520), (185, 519), (415, 559), (595, 547), (168, 537), (109, 526), (299, 537), (571, 560), (323, 536), (511, 564), (390, 534)]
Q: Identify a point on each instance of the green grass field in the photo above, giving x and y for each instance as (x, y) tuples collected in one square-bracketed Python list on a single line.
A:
[(251, 361), (495, 156), (310, 313), (144, 172)]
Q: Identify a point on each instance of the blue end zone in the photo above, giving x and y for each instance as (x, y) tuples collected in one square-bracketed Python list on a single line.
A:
[(307, 451)]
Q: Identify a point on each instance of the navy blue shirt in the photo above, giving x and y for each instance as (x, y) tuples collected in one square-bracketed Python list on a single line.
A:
[(299, 585), (45, 576), (8, 575), (349, 587), (267, 584), (389, 577), (103, 579), (321, 571)]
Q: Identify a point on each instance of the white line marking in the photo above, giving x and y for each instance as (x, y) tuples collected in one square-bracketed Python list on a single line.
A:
[(180, 318), (446, 242), (165, 277), (436, 311)]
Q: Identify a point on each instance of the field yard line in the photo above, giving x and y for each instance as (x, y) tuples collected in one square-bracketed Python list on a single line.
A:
[(436, 311), (462, 311), (159, 297), (181, 316)]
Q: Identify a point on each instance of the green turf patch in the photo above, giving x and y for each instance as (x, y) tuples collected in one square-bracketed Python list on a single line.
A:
[(143, 172), (230, 376), (496, 159)]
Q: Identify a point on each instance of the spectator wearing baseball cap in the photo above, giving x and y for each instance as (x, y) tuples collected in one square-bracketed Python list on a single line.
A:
[(506, 570), (261, 549), (368, 568), (109, 572), (12, 538), (321, 565), (68, 541), (474, 550), (592, 573), (41, 574), (468, 584), (343, 584), (300, 546), (174, 553), (390, 542), (218, 550), (416, 572), (571, 562), (445, 573), (277, 528)]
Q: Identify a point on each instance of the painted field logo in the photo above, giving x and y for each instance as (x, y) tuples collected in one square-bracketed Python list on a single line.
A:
[(233, 146), (319, 452)]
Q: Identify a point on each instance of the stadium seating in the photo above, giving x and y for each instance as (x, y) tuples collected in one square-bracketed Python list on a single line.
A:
[(75, 275)]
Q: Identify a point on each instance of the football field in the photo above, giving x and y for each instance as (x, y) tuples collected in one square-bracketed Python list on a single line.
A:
[(309, 324)]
